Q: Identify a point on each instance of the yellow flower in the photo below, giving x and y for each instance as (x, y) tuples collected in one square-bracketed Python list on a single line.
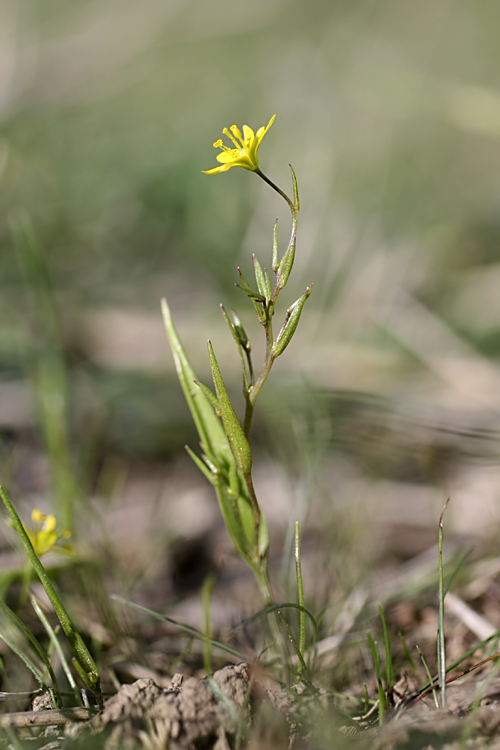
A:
[(44, 537), (245, 153)]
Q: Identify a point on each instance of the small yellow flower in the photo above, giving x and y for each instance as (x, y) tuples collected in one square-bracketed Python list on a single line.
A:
[(44, 536), (245, 153)]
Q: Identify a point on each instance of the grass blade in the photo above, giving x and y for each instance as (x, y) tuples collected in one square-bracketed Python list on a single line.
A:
[(36, 646), (58, 648), (441, 652), (206, 597), (376, 663), (429, 677), (304, 669), (188, 629), (389, 669), (27, 661), (300, 588)]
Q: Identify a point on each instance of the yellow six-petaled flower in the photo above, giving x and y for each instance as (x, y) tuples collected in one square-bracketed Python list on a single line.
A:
[(45, 537), (245, 153)]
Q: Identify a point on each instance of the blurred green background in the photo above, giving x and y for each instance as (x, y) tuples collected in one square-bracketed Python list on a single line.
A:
[(389, 112)]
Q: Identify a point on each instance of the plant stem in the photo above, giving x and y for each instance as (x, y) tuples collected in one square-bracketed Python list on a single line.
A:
[(278, 190), (253, 392), (256, 509)]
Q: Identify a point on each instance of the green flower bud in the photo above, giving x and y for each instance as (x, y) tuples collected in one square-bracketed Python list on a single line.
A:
[(291, 322)]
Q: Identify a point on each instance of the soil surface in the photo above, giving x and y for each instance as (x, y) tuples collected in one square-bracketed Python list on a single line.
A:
[(233, 708)]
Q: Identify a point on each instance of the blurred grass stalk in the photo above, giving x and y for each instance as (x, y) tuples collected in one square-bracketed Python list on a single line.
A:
[(441, 646), (44, 363)]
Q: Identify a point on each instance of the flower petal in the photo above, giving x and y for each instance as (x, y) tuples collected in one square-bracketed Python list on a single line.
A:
[(245, 153), (249, 134)]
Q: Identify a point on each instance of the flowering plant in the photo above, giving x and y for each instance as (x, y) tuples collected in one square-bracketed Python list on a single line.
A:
[(45, 536), (226, 458)]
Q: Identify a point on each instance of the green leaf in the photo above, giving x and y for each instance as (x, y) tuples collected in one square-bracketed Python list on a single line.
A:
[(254, 296), (219, 465), (240, 447), (213, 440), (250, 293), (210, 397), (210, 474)]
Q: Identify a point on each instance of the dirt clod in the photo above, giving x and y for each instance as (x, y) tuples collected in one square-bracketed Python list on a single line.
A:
[(200, 713)]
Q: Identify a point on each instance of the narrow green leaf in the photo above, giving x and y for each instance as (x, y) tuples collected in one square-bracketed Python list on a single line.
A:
[(240, 447), (429, 677), (206, 598), (35, 646), (254, 296), (388, 653), (209, 474), (215, 446), (213, 440), (188, 629), (441, 646), (303, 666), (272, 608), (210, 397), (27, 661), (376, 663)]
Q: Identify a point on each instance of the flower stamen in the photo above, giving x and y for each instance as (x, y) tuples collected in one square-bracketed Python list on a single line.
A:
[(245, 153)]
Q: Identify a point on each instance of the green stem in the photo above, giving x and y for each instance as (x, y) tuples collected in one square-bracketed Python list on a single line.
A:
[(256, 510), (251, 395), (264, 583), (278, 190), (262, 576)]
